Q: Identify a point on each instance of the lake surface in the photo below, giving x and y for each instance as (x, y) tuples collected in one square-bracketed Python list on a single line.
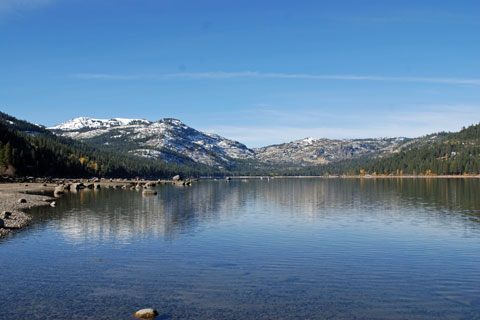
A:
[(278, 249)]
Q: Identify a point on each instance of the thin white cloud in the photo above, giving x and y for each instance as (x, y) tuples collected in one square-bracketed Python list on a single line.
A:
[(269, 75), (427, 120), (13, 6)]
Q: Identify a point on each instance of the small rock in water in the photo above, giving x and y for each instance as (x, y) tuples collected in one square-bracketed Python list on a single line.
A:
[(146, 314), (22, 201), (149, 192), (53, 204), (177, 178)]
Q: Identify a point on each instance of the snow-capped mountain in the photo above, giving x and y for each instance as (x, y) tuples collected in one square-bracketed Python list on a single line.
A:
[(173, 141), (167, 139)]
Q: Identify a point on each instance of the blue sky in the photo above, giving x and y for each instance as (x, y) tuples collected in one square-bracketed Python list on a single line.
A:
[(261, 72)]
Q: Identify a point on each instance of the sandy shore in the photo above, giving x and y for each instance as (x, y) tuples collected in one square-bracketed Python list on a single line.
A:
[(16, 198)]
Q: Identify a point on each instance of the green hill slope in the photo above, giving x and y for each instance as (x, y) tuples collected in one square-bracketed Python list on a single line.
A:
[(455, 153)]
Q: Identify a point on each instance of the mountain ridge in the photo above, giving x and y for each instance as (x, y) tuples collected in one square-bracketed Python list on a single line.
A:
[(31, 149), (160, 139)]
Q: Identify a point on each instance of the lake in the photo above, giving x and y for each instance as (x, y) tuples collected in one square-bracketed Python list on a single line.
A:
[(278, 249)]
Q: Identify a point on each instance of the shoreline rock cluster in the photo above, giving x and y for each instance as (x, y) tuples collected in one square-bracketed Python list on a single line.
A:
[(12, 206), (23, 193)]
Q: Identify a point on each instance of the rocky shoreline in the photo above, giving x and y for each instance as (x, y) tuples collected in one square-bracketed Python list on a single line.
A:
[(17, 196)]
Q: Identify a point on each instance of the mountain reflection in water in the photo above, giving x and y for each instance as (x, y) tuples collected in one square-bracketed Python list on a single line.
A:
[(126, 214)]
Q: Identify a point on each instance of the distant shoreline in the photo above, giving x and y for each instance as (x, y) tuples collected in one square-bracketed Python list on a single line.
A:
[(351, 177)]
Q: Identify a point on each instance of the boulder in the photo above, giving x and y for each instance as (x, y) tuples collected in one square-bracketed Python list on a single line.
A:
[(59, 191), (228, 179), (22, 201), (150, 184), (2, 224), (90, 186), (53, 204), (146, 314), (177, 178), (77, 186), (6, 214), (97, 186)]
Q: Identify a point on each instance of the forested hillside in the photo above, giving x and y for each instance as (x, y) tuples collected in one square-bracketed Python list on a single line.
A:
[(456, 153), (28, 149)]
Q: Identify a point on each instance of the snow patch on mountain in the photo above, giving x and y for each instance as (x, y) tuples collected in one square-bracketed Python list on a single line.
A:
[(151, 139), (173, 141), (90, 123)]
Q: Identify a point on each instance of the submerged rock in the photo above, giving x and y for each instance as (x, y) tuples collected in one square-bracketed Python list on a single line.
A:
[(149, 192), (146, 314)]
